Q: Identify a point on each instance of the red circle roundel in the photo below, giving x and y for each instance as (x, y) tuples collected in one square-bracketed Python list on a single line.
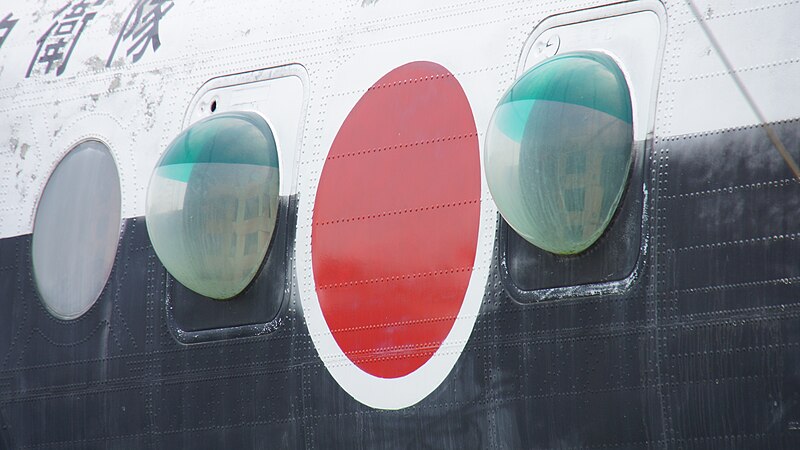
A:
[(396, 218)]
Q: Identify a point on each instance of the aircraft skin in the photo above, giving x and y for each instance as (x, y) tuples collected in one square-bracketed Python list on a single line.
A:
[(395, 307)]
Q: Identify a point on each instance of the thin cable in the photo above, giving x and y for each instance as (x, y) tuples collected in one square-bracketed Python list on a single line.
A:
[(773, 136)]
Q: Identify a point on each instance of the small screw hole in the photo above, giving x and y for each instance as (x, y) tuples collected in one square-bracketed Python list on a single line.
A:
[(213, 106)]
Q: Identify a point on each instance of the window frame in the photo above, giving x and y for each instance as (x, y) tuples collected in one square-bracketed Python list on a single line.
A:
[(542, 45), (278, 263)]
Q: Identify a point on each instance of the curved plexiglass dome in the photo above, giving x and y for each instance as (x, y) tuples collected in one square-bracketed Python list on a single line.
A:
[(559, 150), (212, 203)]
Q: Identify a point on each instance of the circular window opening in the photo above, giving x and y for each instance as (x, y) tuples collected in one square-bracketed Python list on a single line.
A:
[(559, 150), (76, 230), (212, 203)]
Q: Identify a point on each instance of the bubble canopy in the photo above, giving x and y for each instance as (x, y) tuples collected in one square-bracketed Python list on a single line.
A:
[(559, 150), (212, 203)]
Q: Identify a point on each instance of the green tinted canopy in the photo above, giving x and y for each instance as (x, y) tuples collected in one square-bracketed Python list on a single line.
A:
[(559, 149), (227, 138), (212, 203)]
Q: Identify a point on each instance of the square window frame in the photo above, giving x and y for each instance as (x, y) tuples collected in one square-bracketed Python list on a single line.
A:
[(544, 42), (278, 265)]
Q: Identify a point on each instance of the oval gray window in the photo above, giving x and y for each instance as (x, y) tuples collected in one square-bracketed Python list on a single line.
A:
[(76, 230), (212, 203), (559, 149)]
